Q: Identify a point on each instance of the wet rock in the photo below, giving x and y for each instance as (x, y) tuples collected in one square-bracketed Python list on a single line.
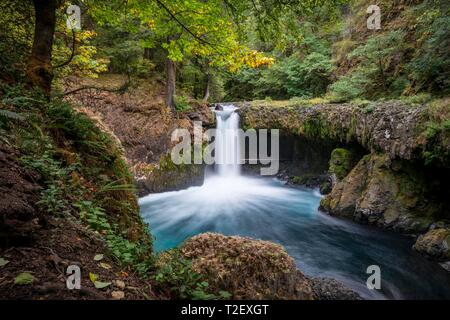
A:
[(162, 179), (341, 162), (330, 289), (445, 265), (382, 192), (345, 194), (435, 244), (310, 180), (325, 187)]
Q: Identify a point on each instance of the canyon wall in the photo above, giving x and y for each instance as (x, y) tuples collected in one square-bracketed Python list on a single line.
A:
[(389, 166)]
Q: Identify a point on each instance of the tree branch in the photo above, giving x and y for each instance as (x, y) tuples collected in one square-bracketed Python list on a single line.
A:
[(71, 55), (162, 5)]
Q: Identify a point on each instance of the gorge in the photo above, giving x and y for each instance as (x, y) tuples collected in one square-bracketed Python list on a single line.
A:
[(344, 193)]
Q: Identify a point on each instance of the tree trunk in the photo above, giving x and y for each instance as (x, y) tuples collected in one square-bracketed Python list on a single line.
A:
[(39, 70), (207, 86), (170, 84), (148, 53)]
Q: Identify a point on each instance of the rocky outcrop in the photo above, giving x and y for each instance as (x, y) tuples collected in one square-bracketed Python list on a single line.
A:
[(435, 243), (388, 193), (393, 128), (254, 269), (389, 165), (341, 162), (247, 268), (143, 124), (166, 176)]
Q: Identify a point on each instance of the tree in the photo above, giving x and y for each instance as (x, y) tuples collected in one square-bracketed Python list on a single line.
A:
[(40, 70)]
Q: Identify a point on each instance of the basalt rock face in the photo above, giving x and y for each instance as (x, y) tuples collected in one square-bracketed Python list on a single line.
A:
[(389, 167), (168, 177), (393, 128), (388, 193), (330, 289)]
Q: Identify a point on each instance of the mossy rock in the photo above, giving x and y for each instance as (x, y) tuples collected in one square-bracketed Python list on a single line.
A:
[(435, 244), (246, 268), (341, 162)]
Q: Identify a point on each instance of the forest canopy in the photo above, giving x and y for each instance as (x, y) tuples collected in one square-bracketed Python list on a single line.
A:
[(235, 50)]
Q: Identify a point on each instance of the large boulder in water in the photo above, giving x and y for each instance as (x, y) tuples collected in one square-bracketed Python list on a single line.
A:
[(246, 268)]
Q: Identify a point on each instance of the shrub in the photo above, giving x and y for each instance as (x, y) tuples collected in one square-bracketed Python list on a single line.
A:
[(175, 273), (182, 103)]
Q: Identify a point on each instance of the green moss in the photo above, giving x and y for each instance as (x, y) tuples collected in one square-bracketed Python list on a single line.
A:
[(341, 162), (315, 127)]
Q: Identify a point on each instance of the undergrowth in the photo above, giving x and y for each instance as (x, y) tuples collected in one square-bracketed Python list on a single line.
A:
[(80, 169), (176, 273)]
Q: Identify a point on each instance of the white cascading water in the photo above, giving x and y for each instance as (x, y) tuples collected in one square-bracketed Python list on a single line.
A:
[(227, 142)]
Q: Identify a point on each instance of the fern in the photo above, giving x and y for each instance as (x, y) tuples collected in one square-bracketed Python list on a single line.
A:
[(116, 186), (10, 115)]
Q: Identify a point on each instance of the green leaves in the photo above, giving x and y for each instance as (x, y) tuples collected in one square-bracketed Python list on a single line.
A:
[(3, 262), (105, 265), (98, 257), (24, 278), (185, 283), (98, 284), (93, 277), (101, 285)]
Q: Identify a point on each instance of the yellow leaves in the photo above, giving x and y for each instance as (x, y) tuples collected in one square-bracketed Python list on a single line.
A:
[(249, 58), (85, 35), (84, 62), (151, 24), (255, 59)]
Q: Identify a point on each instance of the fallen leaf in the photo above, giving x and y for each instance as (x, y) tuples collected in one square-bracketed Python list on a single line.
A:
[(101, 285), (24, 278), (105, 265), (3, 262), (98, 257), (93, 277), (117, 295)]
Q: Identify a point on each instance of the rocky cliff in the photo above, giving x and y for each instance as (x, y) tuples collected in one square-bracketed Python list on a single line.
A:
[(389, 166), (143, 125)]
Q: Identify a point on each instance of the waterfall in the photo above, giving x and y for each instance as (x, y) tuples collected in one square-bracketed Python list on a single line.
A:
[(227, 146)]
